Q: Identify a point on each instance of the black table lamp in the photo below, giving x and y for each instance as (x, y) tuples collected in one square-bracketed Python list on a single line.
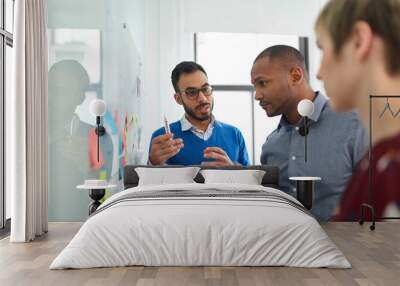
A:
[(305, 109), (98, 108), (305, 185)]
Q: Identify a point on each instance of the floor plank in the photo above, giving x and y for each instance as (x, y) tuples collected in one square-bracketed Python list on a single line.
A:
[(374, 255)]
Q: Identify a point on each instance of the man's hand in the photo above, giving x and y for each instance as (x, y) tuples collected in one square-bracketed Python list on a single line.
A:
[(221, 158), (164, 147)]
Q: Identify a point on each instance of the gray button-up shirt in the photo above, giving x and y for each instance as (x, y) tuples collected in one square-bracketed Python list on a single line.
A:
[(336, 142)]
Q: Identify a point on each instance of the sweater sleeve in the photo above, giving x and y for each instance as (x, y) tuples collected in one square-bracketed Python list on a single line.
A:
[(243, 155)]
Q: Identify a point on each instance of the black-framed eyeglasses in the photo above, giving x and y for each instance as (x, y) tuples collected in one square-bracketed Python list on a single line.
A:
[(192, 93)]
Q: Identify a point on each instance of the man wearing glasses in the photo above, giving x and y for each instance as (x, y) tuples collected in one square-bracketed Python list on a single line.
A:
[(197, 138)]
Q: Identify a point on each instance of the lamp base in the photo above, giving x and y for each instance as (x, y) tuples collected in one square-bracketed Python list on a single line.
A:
[(305, 193), (96, 195), (100, 130), (303, 130), (305, 187)]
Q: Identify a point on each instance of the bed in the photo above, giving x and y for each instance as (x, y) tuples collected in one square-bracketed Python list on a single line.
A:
[(201, 224)]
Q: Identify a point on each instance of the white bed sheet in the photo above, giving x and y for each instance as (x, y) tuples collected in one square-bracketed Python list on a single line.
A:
[(200, 231)]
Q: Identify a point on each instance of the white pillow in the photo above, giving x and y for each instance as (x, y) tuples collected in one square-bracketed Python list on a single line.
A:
[(248, 177), (166, 176)]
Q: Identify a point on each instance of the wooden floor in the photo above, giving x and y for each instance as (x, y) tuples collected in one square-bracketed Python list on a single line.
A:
[(374, 255)]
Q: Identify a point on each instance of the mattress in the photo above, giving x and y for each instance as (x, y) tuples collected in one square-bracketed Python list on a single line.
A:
[(201, 225)]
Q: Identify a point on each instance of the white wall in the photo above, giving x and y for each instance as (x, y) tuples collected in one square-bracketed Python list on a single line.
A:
[(151, 69), (166, 44), (286, 17)]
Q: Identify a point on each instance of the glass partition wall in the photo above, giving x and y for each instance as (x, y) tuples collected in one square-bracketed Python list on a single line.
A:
[(95, 51)]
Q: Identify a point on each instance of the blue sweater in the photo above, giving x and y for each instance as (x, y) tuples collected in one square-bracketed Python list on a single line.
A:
[(224, 136)]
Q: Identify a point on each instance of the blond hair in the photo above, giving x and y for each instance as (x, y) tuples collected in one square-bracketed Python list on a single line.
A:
[(383, 16)]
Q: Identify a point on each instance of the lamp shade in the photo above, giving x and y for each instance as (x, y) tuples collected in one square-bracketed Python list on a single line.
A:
[(305, 107), (97, 107)]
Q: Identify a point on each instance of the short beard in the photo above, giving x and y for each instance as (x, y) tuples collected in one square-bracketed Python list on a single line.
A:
[(273, 113), (192, 114)]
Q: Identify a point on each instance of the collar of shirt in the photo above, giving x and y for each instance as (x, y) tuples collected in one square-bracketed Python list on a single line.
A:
[(186, 125), (319, 103)]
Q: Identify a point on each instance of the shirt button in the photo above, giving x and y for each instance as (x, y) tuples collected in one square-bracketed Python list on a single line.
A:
[(293, 158)]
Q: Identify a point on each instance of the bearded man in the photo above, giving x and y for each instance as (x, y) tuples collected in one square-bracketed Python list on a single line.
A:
[(197, 138)]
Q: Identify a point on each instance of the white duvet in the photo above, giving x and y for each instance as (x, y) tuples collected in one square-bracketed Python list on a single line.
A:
[(200, 231)]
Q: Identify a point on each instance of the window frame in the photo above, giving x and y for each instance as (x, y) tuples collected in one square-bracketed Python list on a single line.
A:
[(6, 39)]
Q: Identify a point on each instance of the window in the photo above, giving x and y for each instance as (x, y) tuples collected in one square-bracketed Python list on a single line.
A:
[(228, 108), (227, 59), (6, 43)]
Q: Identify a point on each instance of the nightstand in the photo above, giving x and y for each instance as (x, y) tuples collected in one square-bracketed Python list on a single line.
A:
[(96, 193), (305, 190)]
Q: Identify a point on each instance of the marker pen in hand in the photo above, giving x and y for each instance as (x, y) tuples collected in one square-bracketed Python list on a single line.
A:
[(166, 126)]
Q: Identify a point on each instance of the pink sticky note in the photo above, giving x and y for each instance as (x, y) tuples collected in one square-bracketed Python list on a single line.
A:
[(94, 164)]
